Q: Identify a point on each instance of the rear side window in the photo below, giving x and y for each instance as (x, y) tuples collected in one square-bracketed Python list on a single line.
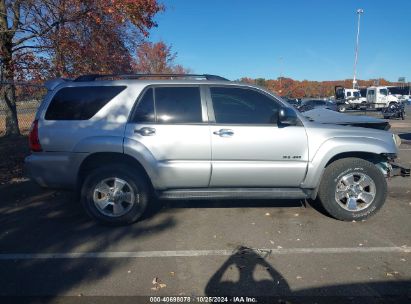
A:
[(80, 103), (169, 105), (145, 108), (178, 104)]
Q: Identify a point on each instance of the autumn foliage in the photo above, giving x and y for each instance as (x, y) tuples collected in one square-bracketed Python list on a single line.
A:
[(40, 39), (298, 89), (156, 58)]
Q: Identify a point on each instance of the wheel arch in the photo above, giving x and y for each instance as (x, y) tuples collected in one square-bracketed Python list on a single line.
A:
[(94, 161), (372, 157)]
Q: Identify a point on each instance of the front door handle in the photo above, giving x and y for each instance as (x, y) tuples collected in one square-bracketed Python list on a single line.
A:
[(224, 132), (146, 131)]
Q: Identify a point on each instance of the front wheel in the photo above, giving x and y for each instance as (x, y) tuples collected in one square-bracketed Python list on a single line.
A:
[(342, 108), (115, 195), (352, 189)]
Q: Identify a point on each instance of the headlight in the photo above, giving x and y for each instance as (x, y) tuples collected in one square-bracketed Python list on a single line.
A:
[(397, 140)]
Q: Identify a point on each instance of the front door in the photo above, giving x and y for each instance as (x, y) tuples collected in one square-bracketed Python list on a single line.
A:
[(249, 148)]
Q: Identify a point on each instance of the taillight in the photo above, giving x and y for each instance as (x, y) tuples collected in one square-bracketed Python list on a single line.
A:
[(34, 141)]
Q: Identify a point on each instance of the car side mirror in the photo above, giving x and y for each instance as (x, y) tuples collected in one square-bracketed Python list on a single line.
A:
[(287, 116)]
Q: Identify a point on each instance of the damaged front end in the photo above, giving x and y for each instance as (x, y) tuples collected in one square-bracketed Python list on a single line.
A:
[(390, 168)]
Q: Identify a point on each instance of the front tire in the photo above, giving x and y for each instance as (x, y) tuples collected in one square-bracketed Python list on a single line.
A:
[(352, 189), (115, 195), (342, 108)]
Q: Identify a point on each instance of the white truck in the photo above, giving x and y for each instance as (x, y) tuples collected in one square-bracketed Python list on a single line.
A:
[(379, 97), (349, 99)]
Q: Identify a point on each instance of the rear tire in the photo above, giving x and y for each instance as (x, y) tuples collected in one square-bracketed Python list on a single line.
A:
[(342, 108), (359, 201), (115, 195)]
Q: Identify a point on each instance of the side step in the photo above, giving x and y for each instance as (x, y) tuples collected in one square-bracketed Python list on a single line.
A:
[(234, 193)]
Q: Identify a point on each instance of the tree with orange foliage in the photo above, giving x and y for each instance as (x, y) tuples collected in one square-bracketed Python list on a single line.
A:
[(288, 87), (157, 58), (67, 37)]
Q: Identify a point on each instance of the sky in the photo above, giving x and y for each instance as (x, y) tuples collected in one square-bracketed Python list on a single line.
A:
[(300, 39)]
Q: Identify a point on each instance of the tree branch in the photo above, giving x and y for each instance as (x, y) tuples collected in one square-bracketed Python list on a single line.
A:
[(16, 12), (31, 47)]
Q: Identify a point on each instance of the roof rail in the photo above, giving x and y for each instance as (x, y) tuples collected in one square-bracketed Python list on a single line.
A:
[(93, 77)]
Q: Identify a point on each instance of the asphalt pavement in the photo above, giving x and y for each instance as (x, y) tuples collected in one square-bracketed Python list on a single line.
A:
[(286, 248)]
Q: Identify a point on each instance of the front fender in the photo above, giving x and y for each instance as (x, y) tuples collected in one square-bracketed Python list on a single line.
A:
[(339, 145)]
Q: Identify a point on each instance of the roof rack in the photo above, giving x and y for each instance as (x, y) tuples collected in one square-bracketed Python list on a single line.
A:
[(93, 77)]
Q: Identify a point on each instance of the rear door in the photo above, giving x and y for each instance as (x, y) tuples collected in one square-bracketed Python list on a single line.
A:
[(171, 123), (249, 148)]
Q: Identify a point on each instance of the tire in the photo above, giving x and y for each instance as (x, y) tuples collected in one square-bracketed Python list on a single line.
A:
[(334, 189), (342, 108), (122, 191)]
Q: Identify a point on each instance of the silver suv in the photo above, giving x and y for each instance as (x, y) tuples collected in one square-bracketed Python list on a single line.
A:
[(123, 140)]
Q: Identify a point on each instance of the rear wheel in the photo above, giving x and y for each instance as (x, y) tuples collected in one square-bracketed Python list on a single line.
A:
[(115, 195), (352, 189)]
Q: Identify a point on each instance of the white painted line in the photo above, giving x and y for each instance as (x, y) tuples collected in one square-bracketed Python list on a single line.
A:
[(198, 253)]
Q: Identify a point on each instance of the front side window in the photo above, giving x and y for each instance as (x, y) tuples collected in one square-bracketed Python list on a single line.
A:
[(243, 106), (80, 103), (178, 104), (348, 94), (371, 92)]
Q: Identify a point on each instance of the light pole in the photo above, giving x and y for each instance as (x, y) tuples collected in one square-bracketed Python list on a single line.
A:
[(354, 80)]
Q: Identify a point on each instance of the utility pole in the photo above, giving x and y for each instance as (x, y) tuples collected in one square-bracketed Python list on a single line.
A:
[(281, 72), (354, 80)]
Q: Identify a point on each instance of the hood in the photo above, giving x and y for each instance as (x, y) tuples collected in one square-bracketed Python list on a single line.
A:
[(326, 116)]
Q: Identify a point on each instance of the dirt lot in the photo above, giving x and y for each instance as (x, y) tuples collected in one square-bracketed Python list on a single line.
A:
[(25, 120), (12, 154), (289, 249)]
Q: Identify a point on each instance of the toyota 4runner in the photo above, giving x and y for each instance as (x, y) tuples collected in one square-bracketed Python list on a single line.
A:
[(123, 140)]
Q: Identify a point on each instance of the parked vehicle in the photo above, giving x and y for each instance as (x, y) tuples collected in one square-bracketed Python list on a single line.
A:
[(380, 97), (296, 103), (394, 110), (349, 99), (122, 142), (310, 104)]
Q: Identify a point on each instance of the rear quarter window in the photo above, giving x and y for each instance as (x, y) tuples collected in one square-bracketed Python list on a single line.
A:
[(80, 103)]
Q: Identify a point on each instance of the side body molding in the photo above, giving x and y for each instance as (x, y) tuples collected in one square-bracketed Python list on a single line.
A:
[(338, 145)]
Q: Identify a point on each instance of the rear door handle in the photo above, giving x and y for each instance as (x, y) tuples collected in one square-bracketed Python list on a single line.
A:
[(145, 131), (224, 132)]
